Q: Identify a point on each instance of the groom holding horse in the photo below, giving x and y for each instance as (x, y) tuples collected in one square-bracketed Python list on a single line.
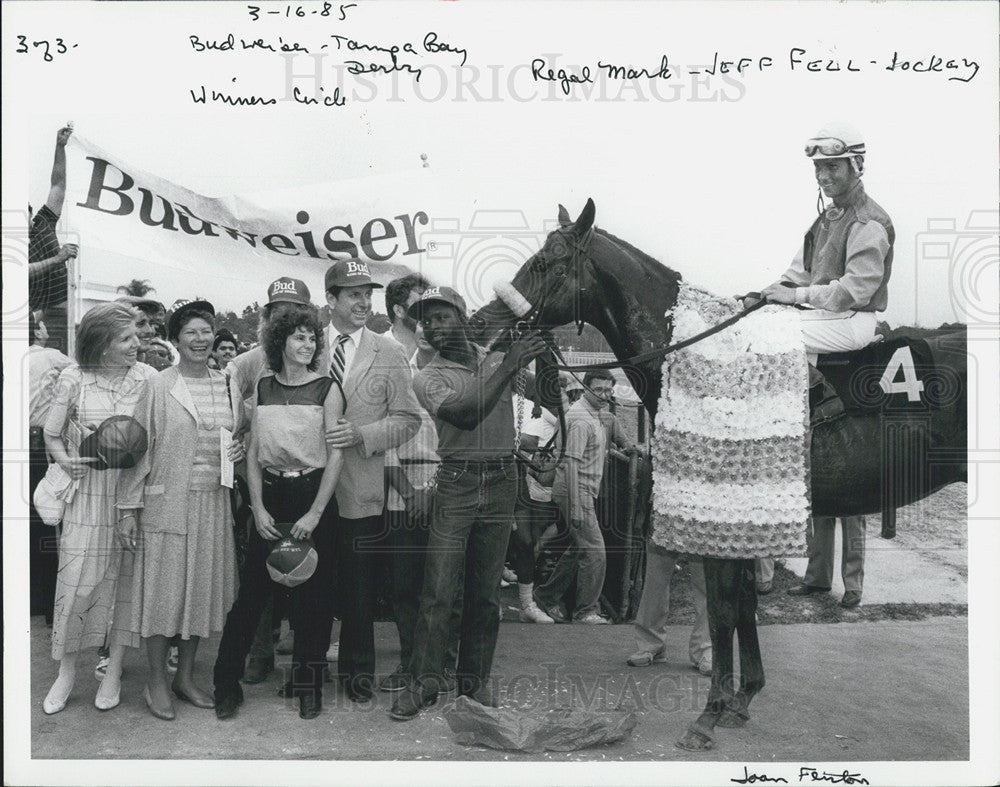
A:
[(842, 272)]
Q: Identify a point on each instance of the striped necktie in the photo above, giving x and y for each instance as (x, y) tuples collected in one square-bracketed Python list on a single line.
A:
[(339, 359)]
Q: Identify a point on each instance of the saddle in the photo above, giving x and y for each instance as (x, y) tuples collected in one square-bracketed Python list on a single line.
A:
[(901, 375)]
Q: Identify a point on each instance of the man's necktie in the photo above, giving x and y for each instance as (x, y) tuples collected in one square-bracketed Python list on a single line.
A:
[(339, 359)]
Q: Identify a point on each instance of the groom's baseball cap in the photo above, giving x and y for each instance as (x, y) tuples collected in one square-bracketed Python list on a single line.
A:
[(436, 295)]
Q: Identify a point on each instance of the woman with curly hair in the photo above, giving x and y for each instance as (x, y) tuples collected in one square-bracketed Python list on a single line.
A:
[(291, 474), (107, 380), (173, 505)]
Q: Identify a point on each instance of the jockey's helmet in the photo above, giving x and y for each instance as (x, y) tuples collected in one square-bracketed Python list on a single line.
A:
[(835, 140)]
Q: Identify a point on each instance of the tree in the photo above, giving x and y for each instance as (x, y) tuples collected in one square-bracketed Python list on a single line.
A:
[(378, 323), (138, 288)]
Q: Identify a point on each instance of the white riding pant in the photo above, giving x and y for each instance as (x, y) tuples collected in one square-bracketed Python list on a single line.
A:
[(836, 332)]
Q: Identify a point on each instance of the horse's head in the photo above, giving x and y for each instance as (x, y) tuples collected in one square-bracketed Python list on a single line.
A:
[(556, 286)]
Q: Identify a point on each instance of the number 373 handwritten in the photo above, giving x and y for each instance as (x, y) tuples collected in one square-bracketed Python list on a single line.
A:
[(48, 48)]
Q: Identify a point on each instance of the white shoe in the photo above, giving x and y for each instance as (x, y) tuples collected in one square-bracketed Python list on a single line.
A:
[(704, 664), (107, 703), (57, 697), (333, 651), (508, 578), (591, 619), (532, 614), (51, 706)]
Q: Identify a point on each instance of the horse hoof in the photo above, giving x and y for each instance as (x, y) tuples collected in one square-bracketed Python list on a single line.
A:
[(697, 738), (732, 718)]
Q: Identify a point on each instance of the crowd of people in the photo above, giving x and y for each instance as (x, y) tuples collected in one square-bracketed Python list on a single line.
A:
[(332, 443), (357, 443)]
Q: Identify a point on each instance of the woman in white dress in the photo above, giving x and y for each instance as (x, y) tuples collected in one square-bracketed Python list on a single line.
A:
[(106, 381)]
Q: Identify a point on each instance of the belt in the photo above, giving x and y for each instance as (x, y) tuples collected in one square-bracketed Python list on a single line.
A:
[(289, 473), (482, 465), (419, 461)]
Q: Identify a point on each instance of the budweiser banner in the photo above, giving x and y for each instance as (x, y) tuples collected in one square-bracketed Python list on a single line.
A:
[(133, 224)]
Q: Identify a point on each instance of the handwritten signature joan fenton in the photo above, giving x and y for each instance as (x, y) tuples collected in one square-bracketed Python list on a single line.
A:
[(806, 774)]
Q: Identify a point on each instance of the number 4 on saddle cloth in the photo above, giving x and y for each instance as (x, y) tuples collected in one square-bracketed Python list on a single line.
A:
[(904, 374)]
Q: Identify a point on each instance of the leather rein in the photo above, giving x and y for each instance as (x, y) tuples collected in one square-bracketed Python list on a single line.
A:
[(529, 322)]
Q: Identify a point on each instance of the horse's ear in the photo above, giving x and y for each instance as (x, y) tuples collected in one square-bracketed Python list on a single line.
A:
[(564, 219), (586, 218)]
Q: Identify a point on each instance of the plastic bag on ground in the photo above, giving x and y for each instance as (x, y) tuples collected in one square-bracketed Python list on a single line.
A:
[(556, 729)]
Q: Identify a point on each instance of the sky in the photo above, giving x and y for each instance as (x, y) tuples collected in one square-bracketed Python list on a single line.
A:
[(713, 184)]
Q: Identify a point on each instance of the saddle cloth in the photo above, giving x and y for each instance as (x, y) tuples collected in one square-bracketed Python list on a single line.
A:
[(905, 373)]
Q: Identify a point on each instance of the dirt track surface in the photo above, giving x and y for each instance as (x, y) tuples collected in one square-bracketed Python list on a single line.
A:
[(888, 681), (837, 692)]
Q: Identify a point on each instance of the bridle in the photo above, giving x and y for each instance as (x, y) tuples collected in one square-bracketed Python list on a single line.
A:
[(581, 253), (529, 322)]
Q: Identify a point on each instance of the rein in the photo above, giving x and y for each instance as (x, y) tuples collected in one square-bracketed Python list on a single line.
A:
[(662, 352), (529, 320), (580, 252)]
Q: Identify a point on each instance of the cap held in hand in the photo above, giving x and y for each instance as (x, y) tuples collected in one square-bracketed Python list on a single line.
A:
[(292, 561), (118, 443)]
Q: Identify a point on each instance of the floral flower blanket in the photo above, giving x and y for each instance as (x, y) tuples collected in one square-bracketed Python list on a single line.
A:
[(731, 446)]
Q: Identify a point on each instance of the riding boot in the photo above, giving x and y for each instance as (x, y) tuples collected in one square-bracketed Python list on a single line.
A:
[(824, 402)]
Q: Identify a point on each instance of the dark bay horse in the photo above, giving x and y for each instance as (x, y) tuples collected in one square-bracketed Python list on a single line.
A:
[(858, 465)]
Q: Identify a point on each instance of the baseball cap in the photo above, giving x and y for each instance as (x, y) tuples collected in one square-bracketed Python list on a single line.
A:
[(348, 273), (436, 295), (291, 561), (118, 443), (180, 309), (287, 290)]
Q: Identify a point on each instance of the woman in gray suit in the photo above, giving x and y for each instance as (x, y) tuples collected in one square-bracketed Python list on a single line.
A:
[(174, 508)]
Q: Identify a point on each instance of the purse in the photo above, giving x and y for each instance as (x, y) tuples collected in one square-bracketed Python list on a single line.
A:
[(52, 494), (56, 488)]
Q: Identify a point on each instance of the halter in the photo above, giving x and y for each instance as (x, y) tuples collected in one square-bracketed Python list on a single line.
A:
[(580, 254)]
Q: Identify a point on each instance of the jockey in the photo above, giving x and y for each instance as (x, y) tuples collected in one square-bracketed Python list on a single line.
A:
[(842, 270)]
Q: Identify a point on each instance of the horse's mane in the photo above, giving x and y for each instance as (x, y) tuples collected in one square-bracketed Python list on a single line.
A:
[(650, 262)]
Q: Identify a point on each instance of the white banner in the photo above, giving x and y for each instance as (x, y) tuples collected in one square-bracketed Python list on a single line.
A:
[(131, 224)]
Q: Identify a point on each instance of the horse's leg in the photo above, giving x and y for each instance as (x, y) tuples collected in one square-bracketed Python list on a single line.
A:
[(722, 578), (751, 664)]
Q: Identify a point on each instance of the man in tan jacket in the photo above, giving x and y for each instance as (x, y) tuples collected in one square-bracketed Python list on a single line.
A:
[(381, 413)]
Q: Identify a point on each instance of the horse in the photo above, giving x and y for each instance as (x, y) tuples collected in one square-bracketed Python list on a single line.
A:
[(858, 464)]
